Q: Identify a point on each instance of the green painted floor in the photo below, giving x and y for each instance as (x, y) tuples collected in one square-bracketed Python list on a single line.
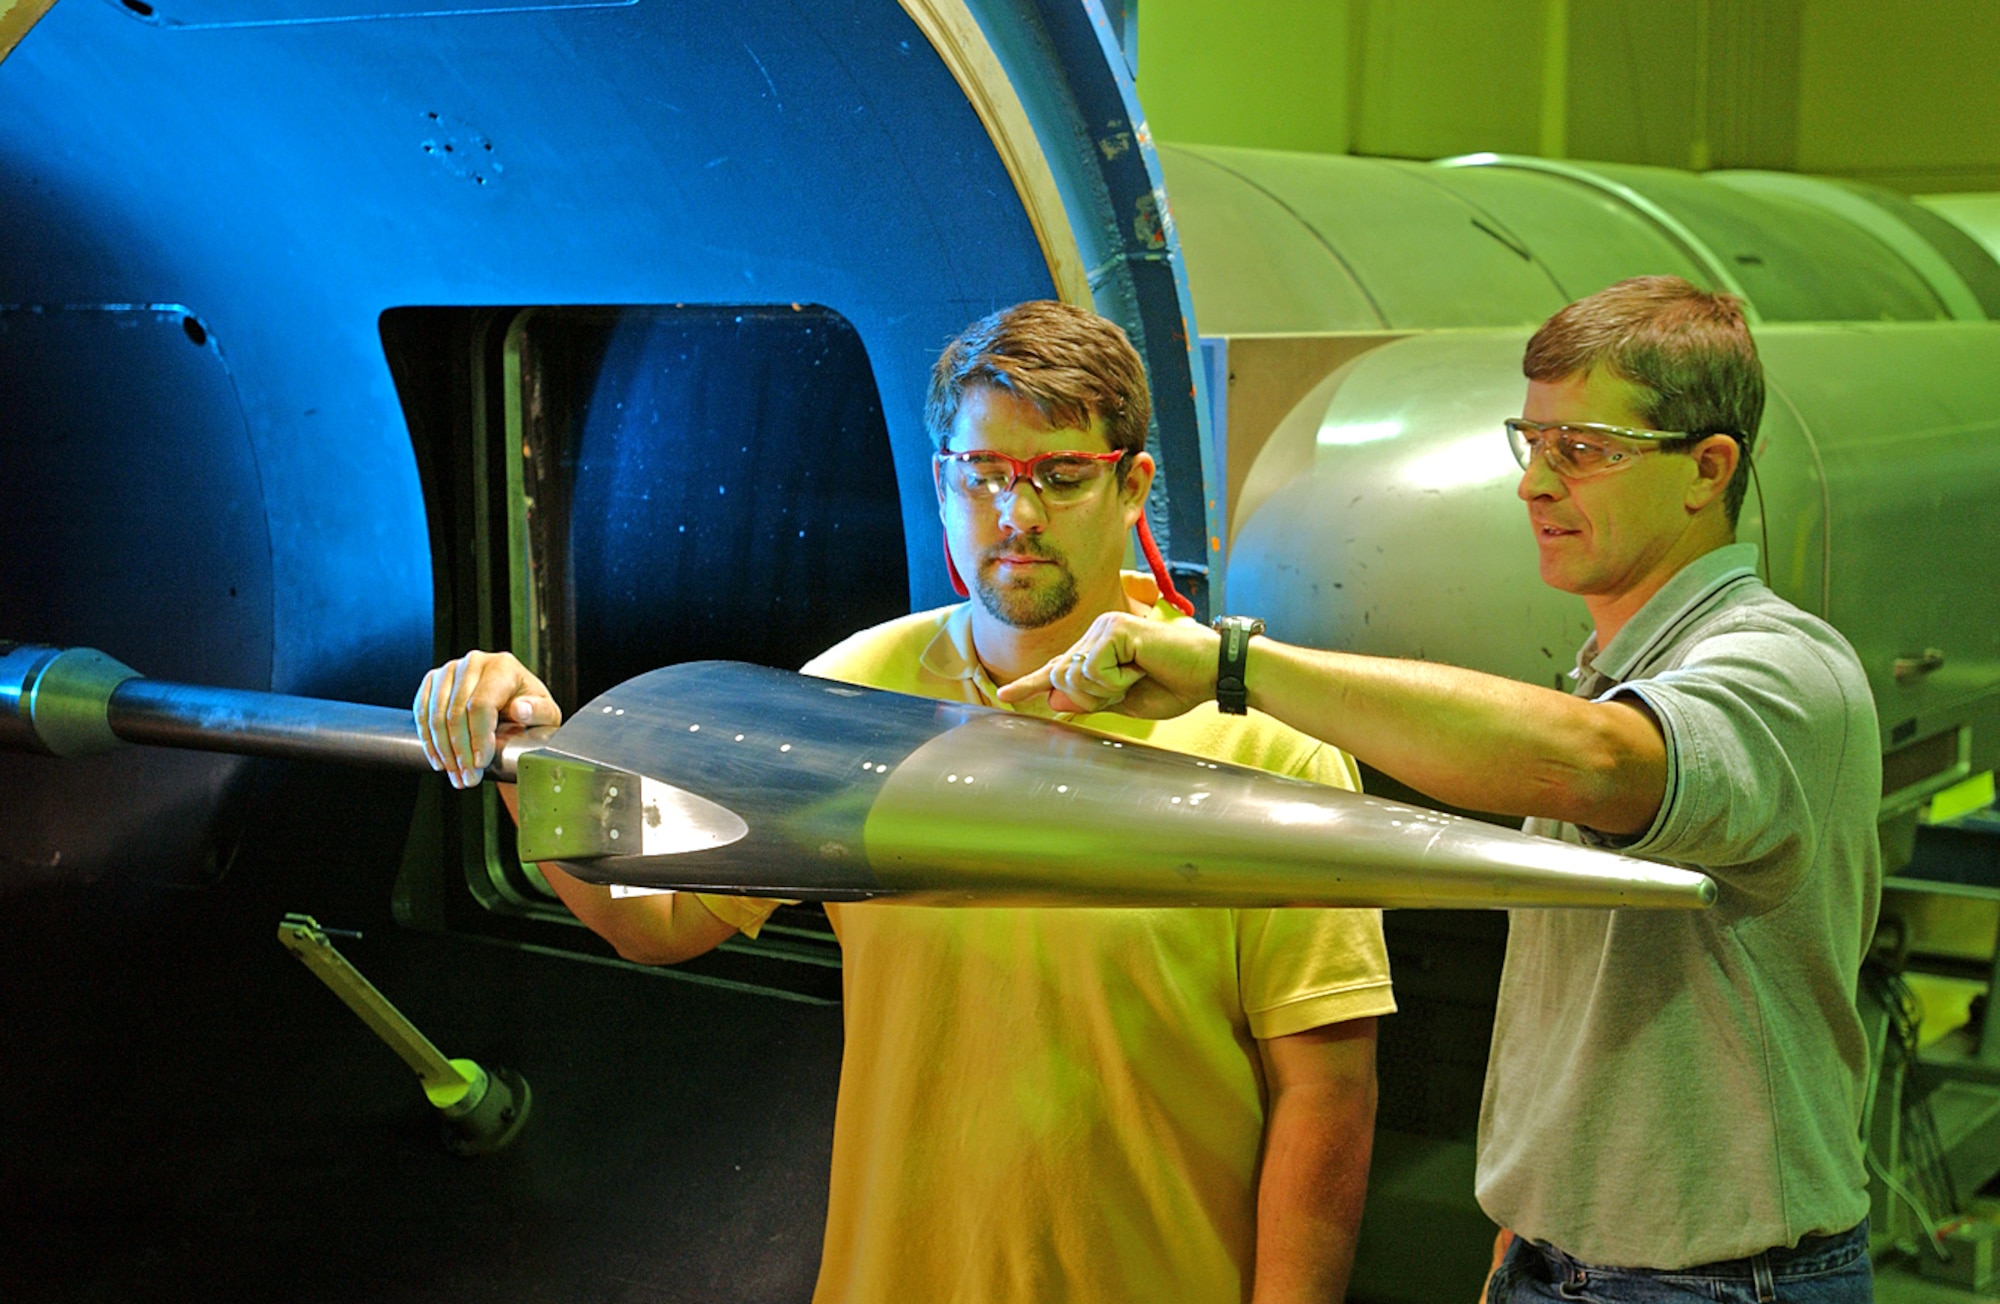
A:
[(1896, 1283)]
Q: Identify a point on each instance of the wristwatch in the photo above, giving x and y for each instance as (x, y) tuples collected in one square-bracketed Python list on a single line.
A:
[(1232, 695)]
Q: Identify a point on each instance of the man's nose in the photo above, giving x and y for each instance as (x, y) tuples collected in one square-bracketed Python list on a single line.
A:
[(1539, 480), (1021, 508)]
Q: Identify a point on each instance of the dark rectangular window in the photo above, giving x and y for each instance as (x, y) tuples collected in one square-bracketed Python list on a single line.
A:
[(696, 483), (614, 489)]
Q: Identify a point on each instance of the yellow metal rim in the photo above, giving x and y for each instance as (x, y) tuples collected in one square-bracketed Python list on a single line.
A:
[(953, 32), (16, 17)]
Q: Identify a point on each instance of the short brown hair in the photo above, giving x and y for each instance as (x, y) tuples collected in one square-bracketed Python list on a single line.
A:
[(1688, 351), (1072, 365)]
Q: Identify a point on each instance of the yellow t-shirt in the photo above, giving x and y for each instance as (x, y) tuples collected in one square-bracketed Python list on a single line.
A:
[(1065, 1104)]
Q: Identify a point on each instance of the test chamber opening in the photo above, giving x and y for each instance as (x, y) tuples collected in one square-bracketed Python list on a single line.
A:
[(692, 483), (615, 489)]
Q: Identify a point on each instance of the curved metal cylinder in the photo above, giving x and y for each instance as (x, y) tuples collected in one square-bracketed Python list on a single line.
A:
[(1285, 243), (1977, 215), (756, 781), (1956, 268)]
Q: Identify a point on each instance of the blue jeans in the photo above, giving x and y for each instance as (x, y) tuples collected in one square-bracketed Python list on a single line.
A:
[(1821, 1270)]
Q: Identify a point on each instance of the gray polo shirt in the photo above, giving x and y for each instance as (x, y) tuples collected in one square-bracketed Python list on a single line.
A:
[(1668, 1088)]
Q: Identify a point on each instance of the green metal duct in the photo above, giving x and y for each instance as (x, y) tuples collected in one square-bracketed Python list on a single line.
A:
[(1281, 243)]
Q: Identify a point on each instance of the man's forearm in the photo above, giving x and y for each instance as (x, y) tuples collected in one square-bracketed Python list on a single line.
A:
[(1465, 738), (1310, 1193), (1470, 739)]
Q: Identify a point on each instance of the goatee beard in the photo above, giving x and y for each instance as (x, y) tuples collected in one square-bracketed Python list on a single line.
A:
[(1027, 606)]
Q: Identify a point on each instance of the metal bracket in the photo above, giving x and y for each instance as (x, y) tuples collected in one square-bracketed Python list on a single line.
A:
[(578, 810), (1916, 667)]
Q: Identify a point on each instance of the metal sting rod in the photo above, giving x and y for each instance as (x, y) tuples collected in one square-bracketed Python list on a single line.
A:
[(481, 1112), (263, 724), (80, 702), (722, 777)]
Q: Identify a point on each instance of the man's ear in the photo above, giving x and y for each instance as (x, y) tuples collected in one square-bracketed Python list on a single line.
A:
[(1715, 461), (1138, 483)]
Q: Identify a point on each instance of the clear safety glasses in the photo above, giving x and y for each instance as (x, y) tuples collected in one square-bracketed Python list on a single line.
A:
[(1060, 478), (1579, 450)]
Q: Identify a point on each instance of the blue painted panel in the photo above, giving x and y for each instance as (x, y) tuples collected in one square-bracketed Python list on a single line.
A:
[(290, 184), (276, 178), (131, 520), (281, 13)]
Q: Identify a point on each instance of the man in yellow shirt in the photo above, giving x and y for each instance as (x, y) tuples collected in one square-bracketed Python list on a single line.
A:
[(1089, 1105)]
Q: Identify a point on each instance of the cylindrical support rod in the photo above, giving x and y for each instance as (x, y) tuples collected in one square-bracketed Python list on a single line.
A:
[(78, 702), (264, 724)]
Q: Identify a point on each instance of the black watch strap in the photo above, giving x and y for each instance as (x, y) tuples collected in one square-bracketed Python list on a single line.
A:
[(1232, 695)]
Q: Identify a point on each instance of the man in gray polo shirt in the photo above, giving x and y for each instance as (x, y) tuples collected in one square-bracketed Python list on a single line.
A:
[(1672, 1106)]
